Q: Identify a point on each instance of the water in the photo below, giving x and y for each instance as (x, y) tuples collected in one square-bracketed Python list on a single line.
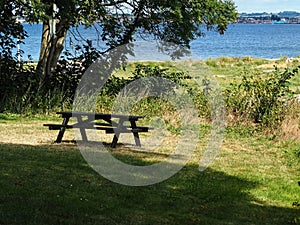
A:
[(256, 40)]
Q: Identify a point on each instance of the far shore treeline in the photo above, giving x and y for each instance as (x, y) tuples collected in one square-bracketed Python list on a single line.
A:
[(285, 17)]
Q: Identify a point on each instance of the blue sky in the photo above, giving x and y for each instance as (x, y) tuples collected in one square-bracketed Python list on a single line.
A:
[(267, 5)]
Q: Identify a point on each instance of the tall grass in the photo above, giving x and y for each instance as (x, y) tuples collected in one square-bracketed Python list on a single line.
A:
[(259, 99)]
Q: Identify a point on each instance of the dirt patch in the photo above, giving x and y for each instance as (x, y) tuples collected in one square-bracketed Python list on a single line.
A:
[(28, 133)]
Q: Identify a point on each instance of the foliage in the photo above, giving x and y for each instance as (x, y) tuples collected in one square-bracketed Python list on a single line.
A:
[(201, 103), (70, 69), (169, 81), (151, 105), (237, 61), (12, 82), (11, 32), (261, 100), (177, 21), (55, 81), (16, 86), (143, 70), (168, 20)]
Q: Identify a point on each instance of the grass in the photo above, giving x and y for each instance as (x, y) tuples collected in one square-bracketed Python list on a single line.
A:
[(253, 181), (230, 69)]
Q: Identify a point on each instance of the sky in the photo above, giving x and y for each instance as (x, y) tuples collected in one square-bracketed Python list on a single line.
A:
[(274, 6)]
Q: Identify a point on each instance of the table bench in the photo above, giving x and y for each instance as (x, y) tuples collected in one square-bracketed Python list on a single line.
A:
[(110, 123)]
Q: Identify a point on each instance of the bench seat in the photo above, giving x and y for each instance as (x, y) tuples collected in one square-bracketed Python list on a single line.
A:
[(109, 130)]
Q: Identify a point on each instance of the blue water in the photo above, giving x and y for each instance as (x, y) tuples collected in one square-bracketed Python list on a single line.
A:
[(256, 40)]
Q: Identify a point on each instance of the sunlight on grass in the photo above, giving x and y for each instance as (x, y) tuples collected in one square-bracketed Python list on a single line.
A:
[(254, 180), (53, 184)]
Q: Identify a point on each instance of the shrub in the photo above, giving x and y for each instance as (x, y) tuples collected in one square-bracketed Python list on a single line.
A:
[(17, 85), (143, 70), (261, 100)]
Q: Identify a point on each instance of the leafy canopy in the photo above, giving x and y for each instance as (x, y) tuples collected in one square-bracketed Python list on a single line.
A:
[(175, 21)]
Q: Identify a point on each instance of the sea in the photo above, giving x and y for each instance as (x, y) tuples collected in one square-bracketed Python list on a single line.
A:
[(269, 41)]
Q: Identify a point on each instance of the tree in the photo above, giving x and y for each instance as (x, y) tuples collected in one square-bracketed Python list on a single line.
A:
[(176, 21), (10, 29), (11, 34), (275, 17)]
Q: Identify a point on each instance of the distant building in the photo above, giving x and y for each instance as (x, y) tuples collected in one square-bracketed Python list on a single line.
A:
[(270, 18)]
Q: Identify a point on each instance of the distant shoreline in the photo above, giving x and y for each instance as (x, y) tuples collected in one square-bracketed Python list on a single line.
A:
[(258, 23), (285, 58)]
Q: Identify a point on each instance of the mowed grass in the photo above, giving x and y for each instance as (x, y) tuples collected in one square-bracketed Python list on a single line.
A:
[(254, 180)]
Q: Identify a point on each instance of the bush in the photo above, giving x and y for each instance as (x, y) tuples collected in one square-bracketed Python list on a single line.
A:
[(17, 85), (261, 100)]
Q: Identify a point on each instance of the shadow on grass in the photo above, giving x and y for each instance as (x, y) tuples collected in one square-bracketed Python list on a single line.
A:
[(54, 185)]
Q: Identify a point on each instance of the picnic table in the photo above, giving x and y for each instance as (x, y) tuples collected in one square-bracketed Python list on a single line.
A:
[(110, 123)]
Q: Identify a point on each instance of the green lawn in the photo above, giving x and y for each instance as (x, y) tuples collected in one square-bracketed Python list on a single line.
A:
[(253, 181)]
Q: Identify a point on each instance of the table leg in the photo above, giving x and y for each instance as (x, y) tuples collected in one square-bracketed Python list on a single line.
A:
[(62, 130), (115, 140), (117, 133), (135, 134), (82, 129)]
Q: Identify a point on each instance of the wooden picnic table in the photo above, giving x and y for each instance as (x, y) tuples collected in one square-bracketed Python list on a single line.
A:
[(110, 123)]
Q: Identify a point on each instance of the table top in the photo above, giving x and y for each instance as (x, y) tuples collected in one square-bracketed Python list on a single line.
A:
[(99, 115)]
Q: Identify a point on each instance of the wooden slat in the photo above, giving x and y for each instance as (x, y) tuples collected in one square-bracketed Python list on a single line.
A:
[(99, 115), (125, 129), (57, 126)]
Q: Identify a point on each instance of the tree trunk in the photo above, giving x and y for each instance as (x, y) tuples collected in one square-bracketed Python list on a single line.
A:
[(51, 48)]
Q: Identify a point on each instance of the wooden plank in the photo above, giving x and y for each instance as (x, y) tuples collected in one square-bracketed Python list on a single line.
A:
[(96, 126), (99, 115), (104, 127)]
